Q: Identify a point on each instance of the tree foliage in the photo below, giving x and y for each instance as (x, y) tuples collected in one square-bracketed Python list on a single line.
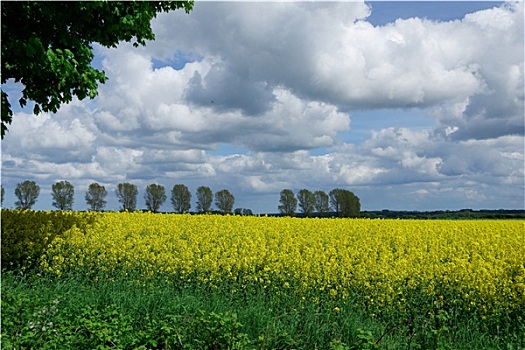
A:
[(204, 199), (339, 202), (243, 211), (154, 196), (27, 193), (288, 202), (181, 198), (321, 202), (351, 205), (96, 196), (127, 196), (335, 201), (47, 45), (306, 200), (3, 193), (224, 201), (63, 194), (345, 203)]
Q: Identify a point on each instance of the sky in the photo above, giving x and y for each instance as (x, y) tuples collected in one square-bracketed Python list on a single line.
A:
[(410, 105)]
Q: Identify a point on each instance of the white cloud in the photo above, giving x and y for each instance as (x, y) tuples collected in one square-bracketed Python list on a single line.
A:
[(279, 82), (256, 184)]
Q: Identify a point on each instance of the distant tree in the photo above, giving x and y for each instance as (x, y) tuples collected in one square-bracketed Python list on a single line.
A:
[(345, 203), (3, 193), (154, 196), (204, 199), (63, 194), (351, 205), (96, 196), (288, 202), (27, 193), (321, 202), (306, 201), (181, 198), (335, 200), (48, 46), (224, 201), (127, 196), (243, 211)]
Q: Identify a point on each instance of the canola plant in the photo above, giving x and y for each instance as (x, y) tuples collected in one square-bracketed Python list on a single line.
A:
[(388, 266)]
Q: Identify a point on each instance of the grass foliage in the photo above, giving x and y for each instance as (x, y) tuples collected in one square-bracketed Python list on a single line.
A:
[(72, 312)]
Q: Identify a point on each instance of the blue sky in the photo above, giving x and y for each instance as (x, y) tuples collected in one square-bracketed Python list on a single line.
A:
[(410, 105), (384, 12)]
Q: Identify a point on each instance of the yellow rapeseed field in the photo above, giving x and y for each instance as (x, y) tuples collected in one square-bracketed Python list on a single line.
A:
[(387, 265)]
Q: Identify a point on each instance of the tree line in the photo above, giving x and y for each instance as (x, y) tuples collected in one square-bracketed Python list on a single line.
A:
[(338, 202), (462, 214), (63, 193)]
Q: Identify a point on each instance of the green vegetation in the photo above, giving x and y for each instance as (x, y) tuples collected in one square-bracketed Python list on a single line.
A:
[(96, 196), (288, 202), (74, 312), (63, 194), (446, 214), (154, 197), (127, 195), (48, 46), (27, 193), (224, 201), (26, 234), (204, 199), (181, 198)]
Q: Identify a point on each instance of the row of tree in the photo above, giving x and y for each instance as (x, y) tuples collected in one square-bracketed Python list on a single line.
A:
[(63, 193), (342, 202)]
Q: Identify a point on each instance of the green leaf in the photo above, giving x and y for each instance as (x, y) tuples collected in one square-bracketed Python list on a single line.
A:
[(48, 61)]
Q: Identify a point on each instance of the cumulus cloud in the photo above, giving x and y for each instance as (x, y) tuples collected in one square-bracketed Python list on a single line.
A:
[(499, 56), (257, 46), (279, 83), (62, 138)]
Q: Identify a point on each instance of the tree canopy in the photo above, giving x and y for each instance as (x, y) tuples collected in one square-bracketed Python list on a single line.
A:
[(345, 203), (127, 195), (204, 199), (306, 201), (27, 193), (63, 194), (47, 45), (154, 197), (321, 202), (181, 198), (224, 201), (288, 202), (96, 196)]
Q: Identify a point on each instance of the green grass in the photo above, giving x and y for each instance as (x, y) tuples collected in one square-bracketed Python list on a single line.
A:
[(74, 312)]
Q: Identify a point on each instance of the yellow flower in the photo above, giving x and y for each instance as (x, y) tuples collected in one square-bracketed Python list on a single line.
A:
[(474, 264)]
